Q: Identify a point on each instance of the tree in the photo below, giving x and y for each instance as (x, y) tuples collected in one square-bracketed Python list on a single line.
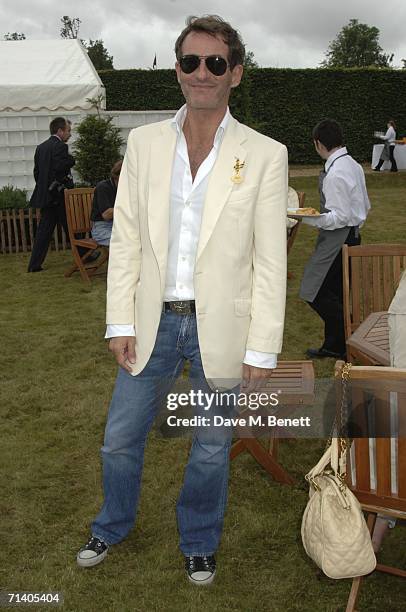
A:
[(14, 36), (356, 46), (250, 61), (97, 148), (99, 55), (70, 27)]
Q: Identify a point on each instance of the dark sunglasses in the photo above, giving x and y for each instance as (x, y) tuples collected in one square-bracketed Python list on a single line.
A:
[(215, 63)]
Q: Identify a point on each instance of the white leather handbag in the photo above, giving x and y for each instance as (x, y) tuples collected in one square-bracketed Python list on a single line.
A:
[(334, 532)]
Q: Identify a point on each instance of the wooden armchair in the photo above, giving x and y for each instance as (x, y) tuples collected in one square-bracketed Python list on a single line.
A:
[(376, 467), (371, 274), (78, 204)]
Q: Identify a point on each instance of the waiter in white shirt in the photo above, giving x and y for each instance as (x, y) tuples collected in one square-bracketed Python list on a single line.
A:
[(197, 273), (388, 151), (344, 205)]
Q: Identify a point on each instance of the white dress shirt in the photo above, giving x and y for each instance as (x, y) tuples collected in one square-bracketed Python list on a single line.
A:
[(345, 191), (186, 208), (390, 135)]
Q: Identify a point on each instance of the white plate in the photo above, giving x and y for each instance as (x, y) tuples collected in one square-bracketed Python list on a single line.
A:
[(293, 214)]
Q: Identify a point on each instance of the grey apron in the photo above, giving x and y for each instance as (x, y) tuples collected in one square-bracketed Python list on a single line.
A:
[(385, 155), (328, 245)]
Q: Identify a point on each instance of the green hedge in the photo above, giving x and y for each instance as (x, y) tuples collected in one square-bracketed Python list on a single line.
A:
[(285, 103), (12, 197), (141, 89)]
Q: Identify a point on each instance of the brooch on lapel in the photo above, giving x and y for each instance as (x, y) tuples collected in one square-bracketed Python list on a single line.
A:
[(237, 178)]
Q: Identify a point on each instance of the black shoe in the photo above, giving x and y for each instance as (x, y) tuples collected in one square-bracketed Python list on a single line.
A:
[(321, 353), (393, 170), (92, 258), (92, 553), (35, 269), (376, 169), (200, 570)]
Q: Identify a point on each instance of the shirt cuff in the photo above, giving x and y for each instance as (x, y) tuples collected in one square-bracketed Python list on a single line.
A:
[(313, 221), (114, 331), (260, 359)]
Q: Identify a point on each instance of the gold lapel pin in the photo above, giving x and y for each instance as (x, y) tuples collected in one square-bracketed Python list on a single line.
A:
[(237, 178)]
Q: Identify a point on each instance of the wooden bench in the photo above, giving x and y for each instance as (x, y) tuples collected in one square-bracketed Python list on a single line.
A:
[(294, 383)]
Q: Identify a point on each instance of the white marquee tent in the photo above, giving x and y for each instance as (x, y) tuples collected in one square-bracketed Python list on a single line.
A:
[(40, 80), (47, 74)]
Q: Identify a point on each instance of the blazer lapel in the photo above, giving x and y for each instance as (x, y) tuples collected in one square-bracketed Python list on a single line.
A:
[(160, 174), (220, 183)]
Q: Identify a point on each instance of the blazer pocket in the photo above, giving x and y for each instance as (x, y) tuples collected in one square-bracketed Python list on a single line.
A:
[(243, 193), (242, 307)]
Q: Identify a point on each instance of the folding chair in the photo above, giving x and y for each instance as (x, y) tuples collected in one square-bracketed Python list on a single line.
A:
[(371, 274), (376, 467), (295, 382), (78, 204)]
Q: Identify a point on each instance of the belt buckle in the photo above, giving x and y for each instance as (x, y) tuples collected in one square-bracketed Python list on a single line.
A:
[(181, 307)]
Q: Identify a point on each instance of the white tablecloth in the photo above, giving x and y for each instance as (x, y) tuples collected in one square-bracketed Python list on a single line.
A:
[(400, 157)]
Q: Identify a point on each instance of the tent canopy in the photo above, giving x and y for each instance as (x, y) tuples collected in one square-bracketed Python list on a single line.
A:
[(47, 74)]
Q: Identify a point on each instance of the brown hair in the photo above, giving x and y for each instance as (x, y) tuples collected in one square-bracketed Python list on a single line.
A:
[(116, 169), (392, 123), (215, 26), (58, 123), (329, 132)]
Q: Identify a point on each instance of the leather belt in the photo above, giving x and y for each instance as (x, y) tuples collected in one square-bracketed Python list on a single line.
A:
[(354, 231), (183, 307)]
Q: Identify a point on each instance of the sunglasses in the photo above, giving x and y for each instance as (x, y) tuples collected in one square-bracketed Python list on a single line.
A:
[(216, 64)]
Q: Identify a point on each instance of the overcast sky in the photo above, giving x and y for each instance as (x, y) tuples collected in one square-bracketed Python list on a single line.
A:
[(281, 33)]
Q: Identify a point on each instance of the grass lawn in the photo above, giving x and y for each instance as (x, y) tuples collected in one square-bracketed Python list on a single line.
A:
[(57, 378)]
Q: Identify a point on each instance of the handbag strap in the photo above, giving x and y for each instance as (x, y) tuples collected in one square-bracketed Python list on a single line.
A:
[(320, 466), (335, 453), (343, 441)]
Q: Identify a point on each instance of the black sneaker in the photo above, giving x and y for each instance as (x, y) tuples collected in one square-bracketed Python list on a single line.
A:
[(92, 553), (200, 570), (92, 258)]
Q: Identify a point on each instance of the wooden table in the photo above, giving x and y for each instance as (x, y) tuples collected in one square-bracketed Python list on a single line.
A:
[(372, 338), (294, 382), (399, 152)]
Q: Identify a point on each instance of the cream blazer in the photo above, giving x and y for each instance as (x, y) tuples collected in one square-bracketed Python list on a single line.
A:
[(240, 268)]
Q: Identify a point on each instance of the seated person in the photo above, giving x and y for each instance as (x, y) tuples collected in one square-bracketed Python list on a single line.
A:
[(103, 206), (397, 348)]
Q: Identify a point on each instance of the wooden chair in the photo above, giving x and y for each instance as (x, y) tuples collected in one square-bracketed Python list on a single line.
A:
[(385, 491), (78, 204), (371, 274)]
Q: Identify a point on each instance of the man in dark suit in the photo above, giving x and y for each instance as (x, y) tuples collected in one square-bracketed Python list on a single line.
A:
[(52, 166)]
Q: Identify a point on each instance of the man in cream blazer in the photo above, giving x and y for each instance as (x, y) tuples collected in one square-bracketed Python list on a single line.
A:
[(197, 272)]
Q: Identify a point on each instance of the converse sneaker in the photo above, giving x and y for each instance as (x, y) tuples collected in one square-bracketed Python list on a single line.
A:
[(200, 570), (92, 553)]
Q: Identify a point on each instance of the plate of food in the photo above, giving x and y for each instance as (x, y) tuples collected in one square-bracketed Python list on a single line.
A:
[(299, 213)]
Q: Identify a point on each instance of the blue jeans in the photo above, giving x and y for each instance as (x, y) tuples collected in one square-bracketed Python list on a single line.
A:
[(101, 232), (135, 403)]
